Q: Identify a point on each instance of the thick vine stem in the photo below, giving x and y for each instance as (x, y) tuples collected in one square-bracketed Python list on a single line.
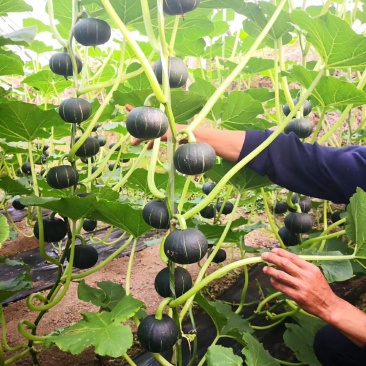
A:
[(17, 357), (181, 221), (151, 171), (148, 25), (54, 30), (137, 50), (227, 82), (129, 268), (162, 305)]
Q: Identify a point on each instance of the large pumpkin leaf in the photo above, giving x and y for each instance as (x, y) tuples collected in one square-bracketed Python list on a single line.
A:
[(12, 187), (336, 42), (10, 63), (47, 82), (4, 233), (22, 121), (22, 36), (13, 6), (219, 355)]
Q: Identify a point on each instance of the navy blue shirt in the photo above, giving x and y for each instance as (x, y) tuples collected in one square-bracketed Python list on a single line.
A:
[(323, 172)]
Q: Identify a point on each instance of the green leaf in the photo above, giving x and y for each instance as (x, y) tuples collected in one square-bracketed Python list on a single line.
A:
[(4, 233), (40, 47), (12, 187), (330, 90), (185, 105), (255, 354), (22, 121), (13, 6), (63, 13), (126, 309), (22, 36), (356, 226), (337, 270), (23, 280), (10, 63), (336, 42), (300, 337), (219, 356), (47, 82), (120, 215), (109, 338), (139, 82)]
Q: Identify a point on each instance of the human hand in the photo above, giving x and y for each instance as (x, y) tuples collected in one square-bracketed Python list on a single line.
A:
[(300, 280)]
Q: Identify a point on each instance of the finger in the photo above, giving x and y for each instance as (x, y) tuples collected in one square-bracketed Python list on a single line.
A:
[(281, 277), (129, 107), (285, 259), (290, 292)]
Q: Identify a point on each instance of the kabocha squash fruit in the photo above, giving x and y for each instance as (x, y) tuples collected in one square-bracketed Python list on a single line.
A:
[(228, 208), (26, 168), (185, 246), (208, 212), (75, 110), (301, 127), (17, 205), (157, 335), (147, 123), (280, 207), (306, 108), (194, 158), (182, 282), (220, 256), (288, 237), (208, 187), (60, 63), (177, 72), (89, 225), (298, 222), (101, 139), (92, 31), (54, 229), (303, 201), (85, 256), (89, 148), (62, 176), (179, 7), (156, 214)]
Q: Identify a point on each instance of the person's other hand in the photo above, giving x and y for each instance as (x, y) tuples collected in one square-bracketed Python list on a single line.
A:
[(300, 280)]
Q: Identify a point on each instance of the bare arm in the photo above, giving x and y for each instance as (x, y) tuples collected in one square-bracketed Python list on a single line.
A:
[(304, 283)]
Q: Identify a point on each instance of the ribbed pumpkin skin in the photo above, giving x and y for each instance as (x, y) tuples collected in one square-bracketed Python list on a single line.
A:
[(156, 214), (298, 222), (301, 127), (92, 31), (194, 158), (303, 201), (179, 7), (54, 229), (89, 148), (288, 237), (228, 208), (185, 246), (89, 225), (306, 108), (75, 110), (85, 256), (177, 71), (182, 282), (157, 335), (208, 187), (60, 63), (280, 207), (208, 212), (62, 176), (147, 123)]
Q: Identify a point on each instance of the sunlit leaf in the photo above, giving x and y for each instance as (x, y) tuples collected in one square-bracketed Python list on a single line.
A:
[(13, 6), (22, 36), (47, 82), (218, 356)]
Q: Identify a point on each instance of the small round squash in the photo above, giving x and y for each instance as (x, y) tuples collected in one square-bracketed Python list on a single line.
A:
[(194, 158), (54, 229), (157, 335), (89, 225), (303, 201), (182, 282), (60, 63), (62, 176), (208, 212), (17, 205), (220, 256), (306, 108), (288, 237), (26, 168), (280, 207), (85, 256), (208, 187), (301, 127), (75, 110), (92, 31), (177, 72), (298, 222), (228, 208), (101, 139), (185, 246), (156, 214), (89, 148), (147, 123), (179, 7)]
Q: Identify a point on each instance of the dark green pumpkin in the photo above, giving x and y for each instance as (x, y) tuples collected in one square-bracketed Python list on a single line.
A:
[(89, 225), (303, 201), (185, 246), (17, 205), (228, 208), (89, 148), (85, 256), (182, 282), (26, 168), (62, 176), (157, 335), (54, 229), (179, 7), (220, 256), (288, 237), (301, 127), (208, 212), (60, 63), (92, 31), (75, 110), (156, 214), (306, 108), (194, 158), (298, 222), (177, 72), (147, 123), (101, 139), (280, 207), (208, 187)]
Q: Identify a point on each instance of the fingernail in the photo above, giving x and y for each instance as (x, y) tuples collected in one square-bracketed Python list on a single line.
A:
[(265, 255), (265, 269)]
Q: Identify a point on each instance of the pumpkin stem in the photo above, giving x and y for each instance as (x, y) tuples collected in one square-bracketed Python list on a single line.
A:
[(160, 309)]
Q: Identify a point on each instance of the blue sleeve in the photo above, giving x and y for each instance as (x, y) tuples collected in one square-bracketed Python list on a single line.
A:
[(310, 169)]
